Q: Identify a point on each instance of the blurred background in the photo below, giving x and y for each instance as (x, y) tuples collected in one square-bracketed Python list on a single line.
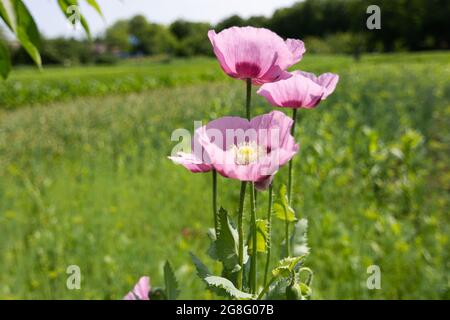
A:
[(84, 174)]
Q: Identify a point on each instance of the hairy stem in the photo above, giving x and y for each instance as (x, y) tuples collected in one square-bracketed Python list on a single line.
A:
[(254, 242), (241, 235), (265, 289), (269, 231), (290, 182), (287, 242), (214, 199)]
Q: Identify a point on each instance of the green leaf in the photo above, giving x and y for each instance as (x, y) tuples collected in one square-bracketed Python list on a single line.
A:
[(262, 236), (227, 287), (94, 4), (299, 239), (171, 282), (27, 32), (8, 14), (281, 207), (277, 291), (5, 60), (21, 23), (226, 246), (85, 26), (286, 266), (202, 270)]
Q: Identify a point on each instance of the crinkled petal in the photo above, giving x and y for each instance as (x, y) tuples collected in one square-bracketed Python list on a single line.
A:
[(327, 81), (297, 49)]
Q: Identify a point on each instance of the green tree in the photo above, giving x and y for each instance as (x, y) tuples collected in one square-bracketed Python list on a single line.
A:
[(150, 38), (118, 36), (191, 38)]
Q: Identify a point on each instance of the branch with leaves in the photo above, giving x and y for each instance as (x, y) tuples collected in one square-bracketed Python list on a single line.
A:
[(20, 22)]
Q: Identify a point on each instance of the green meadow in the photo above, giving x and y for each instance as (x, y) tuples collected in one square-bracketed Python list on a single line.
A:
[(85, 179)]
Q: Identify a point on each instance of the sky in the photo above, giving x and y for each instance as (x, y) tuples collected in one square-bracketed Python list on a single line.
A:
[(52, 23)]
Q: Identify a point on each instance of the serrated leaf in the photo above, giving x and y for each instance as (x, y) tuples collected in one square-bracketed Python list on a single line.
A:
[(202, 270), (171, 282), (299, 238), (262, 236), (5, 60), (281, 207), (286, 266), (226, 246), (227, 287)]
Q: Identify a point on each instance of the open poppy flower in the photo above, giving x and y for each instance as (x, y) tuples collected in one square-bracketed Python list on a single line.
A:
[(255, 53), (301, 90), (249, 150)]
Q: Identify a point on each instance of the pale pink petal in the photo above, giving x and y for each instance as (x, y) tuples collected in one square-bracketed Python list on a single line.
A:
[(297, 48), (140, 291), (329, 82), (223, 63), (326, 80), (191, 162)]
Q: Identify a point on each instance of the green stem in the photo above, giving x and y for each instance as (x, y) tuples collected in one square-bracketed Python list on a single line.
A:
[(249, 98), (214, 199), (290, 182), (266, 288), (241, 235), (254, 239), (269, 231), (288, 245), (294, 117)]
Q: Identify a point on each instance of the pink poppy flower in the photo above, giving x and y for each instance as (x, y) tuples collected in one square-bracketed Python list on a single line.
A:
[(301, 90), (255, 53), (249, 150), (141, 290)]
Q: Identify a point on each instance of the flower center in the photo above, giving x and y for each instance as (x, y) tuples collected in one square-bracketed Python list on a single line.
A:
[(247, 69), (247, 152)]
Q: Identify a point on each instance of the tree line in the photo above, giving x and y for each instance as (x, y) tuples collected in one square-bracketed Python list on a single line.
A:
[(326, 26)]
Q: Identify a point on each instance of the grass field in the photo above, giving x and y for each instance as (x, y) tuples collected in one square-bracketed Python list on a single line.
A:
[(84, 177)]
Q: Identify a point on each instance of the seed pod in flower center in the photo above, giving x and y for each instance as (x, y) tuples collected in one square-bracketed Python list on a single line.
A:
[(247, 152)]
